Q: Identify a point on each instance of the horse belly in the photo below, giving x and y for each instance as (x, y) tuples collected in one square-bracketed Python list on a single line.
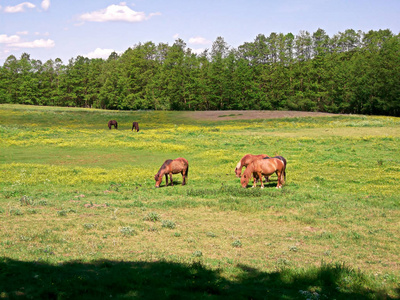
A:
[(268, 170)]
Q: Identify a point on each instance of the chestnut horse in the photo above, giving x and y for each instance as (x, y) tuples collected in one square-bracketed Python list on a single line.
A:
[(266, 167), (111, 123), (245, 161), (169, 167), (136, 126)]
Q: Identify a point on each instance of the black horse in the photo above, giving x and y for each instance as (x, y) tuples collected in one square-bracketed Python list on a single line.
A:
[(136, 126), (111, 123)]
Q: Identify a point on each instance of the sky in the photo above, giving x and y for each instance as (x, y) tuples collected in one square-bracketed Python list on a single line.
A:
[(65, 29)]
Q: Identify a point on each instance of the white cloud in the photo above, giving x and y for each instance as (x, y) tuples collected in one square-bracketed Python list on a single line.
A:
[(34, 44), (23, 32), (199, 41), (176, 36), (45, 4), (114, 12), (19, 8), (100, 53), (5, 39), (198, 51)]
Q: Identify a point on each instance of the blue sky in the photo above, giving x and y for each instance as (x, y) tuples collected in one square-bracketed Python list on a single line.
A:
[(50, 29)]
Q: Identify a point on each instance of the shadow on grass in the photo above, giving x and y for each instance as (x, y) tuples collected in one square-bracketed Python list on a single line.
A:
[(166, 280)]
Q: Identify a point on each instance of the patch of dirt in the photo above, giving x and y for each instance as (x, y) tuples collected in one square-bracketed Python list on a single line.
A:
[(220, 115)]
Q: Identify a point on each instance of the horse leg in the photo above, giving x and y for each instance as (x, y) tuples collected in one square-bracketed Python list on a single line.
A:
[(279, 174), (184, 177), (254, 180), (170, 177), (166, 179), (260, 176)]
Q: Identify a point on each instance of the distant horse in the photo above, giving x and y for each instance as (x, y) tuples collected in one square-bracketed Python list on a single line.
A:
[(111, 123), (136, 126), (169, 167), (266, 167)]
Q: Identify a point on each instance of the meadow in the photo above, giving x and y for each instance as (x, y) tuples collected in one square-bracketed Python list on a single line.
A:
[(80, 216)]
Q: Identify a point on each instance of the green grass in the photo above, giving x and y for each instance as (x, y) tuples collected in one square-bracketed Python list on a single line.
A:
[(80, 216)]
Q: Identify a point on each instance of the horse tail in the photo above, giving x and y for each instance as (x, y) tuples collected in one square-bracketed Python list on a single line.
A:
[(284, 169), (284, 164)]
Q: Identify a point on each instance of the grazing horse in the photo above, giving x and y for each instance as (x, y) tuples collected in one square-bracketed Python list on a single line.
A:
[(266, 167), (136, 126), (169, 167), (245, 161), (111, 123)]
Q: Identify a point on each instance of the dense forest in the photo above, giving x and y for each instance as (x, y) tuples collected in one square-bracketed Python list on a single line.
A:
[(351, 72)]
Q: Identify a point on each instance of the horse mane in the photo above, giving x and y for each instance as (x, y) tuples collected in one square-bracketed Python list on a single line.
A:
[(239, 164), (164, 165)]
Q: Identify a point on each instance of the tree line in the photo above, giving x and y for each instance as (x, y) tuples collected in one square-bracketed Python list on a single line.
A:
[(350, 72)]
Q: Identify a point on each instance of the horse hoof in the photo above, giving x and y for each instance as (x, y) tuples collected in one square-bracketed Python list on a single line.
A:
[(262, 187)]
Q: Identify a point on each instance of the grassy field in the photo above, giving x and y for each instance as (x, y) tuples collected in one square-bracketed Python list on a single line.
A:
[(80, 216)]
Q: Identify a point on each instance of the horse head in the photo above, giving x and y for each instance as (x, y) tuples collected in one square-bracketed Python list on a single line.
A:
[(238, 170), (244, 180), (158, 179)]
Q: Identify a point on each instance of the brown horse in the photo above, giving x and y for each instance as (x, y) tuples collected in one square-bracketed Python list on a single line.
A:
[(136, 126), (111, 123), (169, 167), (245, 161), (266, 167)]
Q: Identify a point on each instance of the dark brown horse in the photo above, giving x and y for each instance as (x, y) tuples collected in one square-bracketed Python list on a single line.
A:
[(266, 167), (136, 126), (111, 123), (169, 167)]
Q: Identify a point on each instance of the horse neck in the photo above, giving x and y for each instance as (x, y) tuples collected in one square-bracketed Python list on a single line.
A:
[(161, 172), (249, 170)]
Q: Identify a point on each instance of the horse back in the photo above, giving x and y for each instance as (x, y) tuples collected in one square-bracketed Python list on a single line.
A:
[(268, 166), (178, 165), (281, 158), (249, 158)]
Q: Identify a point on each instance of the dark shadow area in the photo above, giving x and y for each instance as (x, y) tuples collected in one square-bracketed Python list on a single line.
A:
[(165, 280), (175, 182), (267, 185)]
